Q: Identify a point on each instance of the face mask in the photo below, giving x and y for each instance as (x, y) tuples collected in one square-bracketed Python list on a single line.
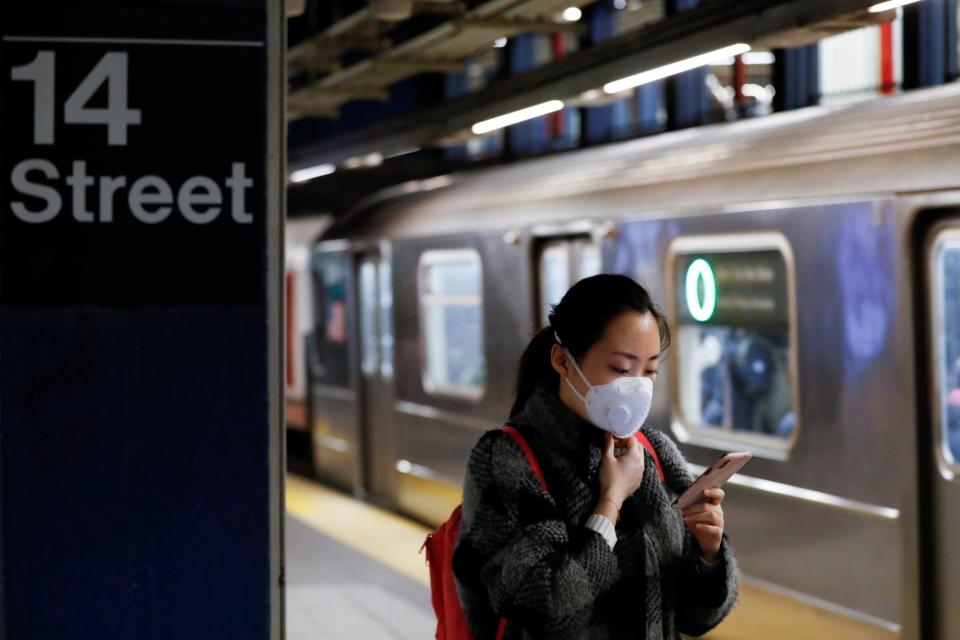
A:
[(620, 406)]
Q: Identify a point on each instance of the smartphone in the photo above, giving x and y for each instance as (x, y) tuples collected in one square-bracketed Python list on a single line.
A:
[(715, 476)]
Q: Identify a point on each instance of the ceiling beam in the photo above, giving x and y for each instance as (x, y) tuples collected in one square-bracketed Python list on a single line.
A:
[(676, 37), (349, 93), (420, 65), (439, 8), (504, 26)]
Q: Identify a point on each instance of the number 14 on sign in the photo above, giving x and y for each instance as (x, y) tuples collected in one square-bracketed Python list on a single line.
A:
[(112, 70)]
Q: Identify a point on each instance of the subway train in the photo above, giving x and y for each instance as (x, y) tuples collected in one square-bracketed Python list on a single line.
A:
[(809, 263)]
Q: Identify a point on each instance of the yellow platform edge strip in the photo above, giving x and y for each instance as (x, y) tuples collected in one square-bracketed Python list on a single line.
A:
[(378, 534)]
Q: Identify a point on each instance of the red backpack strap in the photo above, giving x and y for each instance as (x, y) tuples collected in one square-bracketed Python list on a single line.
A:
[(653, 452), (527, 451), (532, 459)]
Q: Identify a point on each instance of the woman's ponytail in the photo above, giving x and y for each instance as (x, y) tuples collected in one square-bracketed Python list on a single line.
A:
[(535, 368)]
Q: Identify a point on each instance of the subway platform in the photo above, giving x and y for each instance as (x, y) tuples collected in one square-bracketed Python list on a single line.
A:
[(353, 571)]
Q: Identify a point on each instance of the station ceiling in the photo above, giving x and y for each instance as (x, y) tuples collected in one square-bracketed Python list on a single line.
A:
[(360, 57)]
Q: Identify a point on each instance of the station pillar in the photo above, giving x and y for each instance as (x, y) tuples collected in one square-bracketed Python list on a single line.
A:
[(140, 285), (929, 43), (688, 102), (796, 77)]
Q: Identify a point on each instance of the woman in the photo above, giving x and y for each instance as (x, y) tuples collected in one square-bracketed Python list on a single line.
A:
[(602, 554)]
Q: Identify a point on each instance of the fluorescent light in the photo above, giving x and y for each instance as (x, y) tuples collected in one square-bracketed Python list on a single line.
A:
[(892, 4), (402, 152), (374, 159), (572, 14), (674, 68), (514, 117), (759, 57), (302, 175), (499, 43)]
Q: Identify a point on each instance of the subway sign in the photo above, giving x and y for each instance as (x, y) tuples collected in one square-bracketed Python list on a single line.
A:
[(105, 166), (149, 199)]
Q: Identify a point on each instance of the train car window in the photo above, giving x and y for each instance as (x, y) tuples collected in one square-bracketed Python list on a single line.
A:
[(386, 319), (368, 315), (451, 323), (946, 291), (732, 303)]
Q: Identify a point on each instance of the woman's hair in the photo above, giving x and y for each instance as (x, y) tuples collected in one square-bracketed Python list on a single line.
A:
[(580, 320)]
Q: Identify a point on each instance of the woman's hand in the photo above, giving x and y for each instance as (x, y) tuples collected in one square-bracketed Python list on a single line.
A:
[(705, 521), (620, 475)]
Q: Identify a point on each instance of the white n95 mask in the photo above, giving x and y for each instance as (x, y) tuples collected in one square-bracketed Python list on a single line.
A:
[(620, 406)]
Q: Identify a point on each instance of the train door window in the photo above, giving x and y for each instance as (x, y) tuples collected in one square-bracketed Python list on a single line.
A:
[(386, 318), (330, 272), (734, 378), (946, 297), (451, 323), (563, 262), (588, 258), (368, 315), (554, 275)]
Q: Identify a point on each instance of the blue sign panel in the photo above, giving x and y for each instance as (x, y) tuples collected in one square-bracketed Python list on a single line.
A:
[(135, 476)]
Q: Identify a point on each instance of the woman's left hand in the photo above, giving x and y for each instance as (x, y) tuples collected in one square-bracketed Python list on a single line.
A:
[(705, 521)]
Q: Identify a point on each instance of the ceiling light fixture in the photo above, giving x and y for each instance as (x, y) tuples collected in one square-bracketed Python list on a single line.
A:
[(507, 119), (892, 4), (302, 175), (674, 68)]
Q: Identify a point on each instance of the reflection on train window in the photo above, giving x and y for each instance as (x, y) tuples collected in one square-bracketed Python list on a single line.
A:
[(330, 271), (947, 267), (335, 302), (368, 315), (563, 262), (451, 321), (733, 345)]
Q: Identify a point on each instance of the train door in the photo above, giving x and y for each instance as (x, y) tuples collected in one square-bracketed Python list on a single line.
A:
[(942, 521), (333, 399), (375, 332), (561, 262)]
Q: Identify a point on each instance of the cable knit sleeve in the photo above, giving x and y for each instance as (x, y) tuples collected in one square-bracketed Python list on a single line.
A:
[(515, 556), (706, 593)]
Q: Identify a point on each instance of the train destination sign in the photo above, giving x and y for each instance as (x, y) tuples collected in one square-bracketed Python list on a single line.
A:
[(732, 287)]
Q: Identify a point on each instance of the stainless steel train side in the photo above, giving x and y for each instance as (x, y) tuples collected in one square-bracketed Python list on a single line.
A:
[(822, 227)]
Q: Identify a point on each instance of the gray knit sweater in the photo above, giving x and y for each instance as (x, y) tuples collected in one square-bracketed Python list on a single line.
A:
[(525, 554)]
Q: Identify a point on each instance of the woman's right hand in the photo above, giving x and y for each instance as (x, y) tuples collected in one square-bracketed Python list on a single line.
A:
[(620, 475)]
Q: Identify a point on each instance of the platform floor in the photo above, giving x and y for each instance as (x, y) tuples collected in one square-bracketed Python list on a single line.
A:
[(353, 572)]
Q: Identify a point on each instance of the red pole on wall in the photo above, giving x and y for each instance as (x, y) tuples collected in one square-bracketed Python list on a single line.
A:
[(887, 81), (739, 79)]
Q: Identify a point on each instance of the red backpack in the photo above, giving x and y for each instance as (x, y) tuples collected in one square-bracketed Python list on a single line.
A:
[(451, 621)]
